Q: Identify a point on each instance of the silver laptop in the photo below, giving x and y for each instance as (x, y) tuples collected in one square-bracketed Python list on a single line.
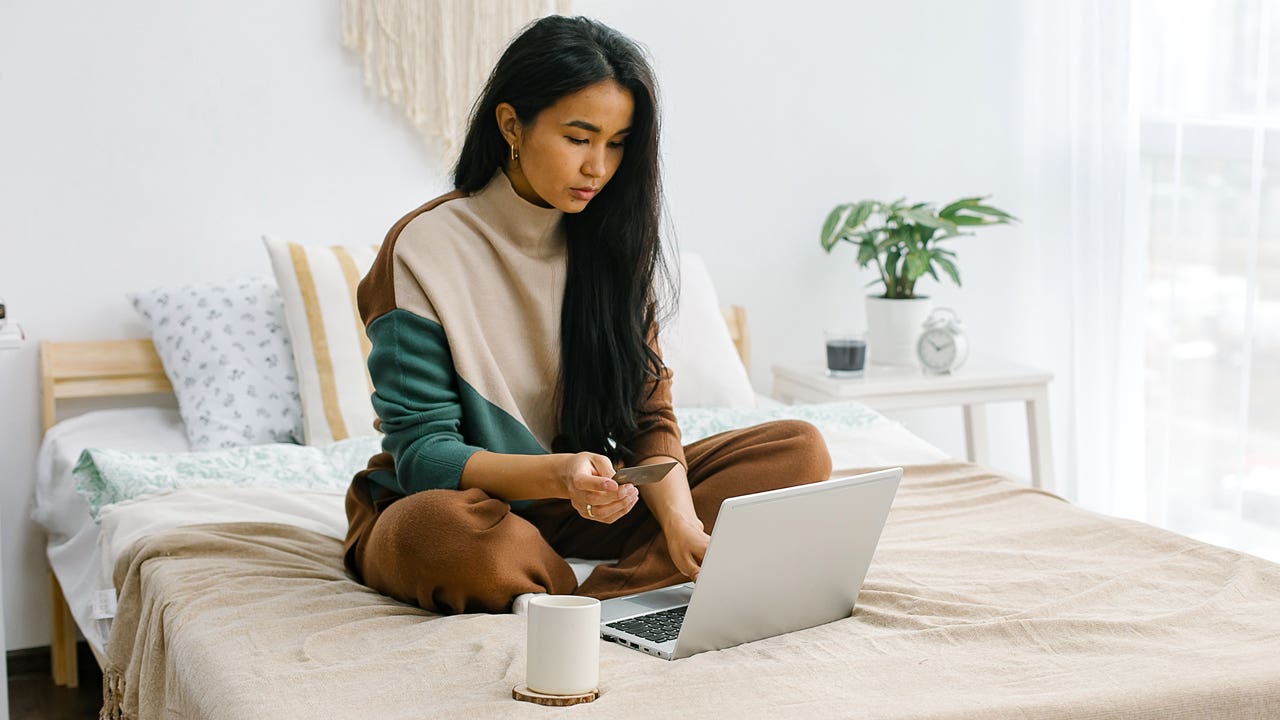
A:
[(779, 561)]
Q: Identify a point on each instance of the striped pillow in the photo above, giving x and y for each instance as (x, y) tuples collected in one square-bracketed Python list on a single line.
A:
[(330, 349)]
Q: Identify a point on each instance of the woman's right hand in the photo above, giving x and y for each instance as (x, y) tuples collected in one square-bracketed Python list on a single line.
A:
[(587, 478)]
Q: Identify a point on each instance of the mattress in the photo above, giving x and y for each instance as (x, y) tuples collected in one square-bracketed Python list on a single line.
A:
[(82, 552), (72, 545)]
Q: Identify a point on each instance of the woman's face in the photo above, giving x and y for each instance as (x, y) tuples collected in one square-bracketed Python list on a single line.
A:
[(572, 148)]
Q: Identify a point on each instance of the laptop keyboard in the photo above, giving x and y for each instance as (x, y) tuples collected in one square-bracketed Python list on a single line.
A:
[(659, 626)]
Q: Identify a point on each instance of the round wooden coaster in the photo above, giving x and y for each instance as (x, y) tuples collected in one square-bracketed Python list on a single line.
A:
[(523, 693)]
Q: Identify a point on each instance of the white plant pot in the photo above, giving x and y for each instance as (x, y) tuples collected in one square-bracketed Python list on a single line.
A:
[(893, 327)]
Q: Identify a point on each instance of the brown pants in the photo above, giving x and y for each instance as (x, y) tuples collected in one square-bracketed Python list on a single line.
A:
[(463, 551)]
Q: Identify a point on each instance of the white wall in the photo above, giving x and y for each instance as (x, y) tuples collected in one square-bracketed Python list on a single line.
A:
[(774, 113), (152, 143), (148, 143)]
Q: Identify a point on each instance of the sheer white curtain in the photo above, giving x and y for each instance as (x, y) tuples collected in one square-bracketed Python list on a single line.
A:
[(1152, 148), (1210, 129), (1080, 152)]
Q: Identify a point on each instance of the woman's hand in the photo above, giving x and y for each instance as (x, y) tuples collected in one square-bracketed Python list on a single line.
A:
[(671, 502), (590, 489), (687, 545)]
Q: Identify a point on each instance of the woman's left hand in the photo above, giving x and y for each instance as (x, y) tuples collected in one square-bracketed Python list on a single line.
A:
[(687, 545)]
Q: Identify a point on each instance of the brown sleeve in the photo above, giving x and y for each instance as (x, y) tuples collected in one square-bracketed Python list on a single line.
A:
[(658, 433)]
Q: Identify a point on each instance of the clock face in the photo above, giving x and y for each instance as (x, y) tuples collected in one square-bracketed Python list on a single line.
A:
[(937, 350)]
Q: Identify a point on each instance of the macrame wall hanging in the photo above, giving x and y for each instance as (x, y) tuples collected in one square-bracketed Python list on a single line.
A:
[(432, 57)]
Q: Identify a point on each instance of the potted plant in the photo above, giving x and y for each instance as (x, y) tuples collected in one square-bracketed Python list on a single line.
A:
[(906, 242)]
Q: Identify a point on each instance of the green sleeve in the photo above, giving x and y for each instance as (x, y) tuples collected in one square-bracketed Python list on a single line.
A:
[(416, 398)]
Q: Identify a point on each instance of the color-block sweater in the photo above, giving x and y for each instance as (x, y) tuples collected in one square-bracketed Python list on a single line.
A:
[(462, 308)]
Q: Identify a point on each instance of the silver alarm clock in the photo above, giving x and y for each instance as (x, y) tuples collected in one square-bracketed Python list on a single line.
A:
[(942, 346)]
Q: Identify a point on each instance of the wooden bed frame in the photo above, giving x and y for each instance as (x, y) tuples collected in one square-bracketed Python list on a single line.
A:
[(122, 368)]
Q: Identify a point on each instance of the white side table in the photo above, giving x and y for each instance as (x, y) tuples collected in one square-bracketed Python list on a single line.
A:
[(981, 380)]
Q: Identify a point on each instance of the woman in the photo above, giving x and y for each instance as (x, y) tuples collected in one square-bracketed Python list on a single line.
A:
[(515, 360)]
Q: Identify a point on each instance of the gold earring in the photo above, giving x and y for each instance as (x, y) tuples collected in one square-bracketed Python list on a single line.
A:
[(515, 154)]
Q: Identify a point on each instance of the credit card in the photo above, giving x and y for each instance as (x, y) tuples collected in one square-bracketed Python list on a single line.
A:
[(643, 474)]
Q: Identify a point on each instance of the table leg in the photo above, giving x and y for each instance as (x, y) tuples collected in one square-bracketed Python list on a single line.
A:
[(1040, 441), (975, 433)]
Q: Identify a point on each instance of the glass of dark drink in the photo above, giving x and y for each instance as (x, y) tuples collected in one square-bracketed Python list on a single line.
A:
[(846, 354)]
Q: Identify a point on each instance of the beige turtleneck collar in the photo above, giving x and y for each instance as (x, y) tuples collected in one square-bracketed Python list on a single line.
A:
[(534, 229)]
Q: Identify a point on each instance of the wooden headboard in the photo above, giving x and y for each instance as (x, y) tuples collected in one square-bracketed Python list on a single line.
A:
[(735, 316), (118, 368), (110, 368)]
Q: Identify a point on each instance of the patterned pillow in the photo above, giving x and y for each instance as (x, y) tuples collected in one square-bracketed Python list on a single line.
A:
[(330, 348), (226, 352)]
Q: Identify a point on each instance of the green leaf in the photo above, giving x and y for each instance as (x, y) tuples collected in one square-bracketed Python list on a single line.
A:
[(917, 264), (829, 232), (949, 268), (893, 238), (923, 217), (866, 252), (858, 215), (911, 237), (988, 210), (951, 209), (891, 270), (972, 220)]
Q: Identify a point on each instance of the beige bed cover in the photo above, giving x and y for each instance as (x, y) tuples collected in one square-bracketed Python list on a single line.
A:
[(986, 600)]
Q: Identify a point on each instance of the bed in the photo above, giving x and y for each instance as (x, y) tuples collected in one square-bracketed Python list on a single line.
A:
[(986, 599)]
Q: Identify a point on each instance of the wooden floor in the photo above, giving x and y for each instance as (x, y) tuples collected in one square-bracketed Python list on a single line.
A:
[(33, 696)]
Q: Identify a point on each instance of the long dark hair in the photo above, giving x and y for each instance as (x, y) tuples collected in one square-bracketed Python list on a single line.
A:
[(614, 250)]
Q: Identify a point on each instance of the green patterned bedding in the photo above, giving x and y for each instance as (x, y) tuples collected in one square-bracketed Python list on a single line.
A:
[(105, 476), (698, 423)]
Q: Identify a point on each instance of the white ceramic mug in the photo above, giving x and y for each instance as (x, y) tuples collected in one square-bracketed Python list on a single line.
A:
[(563, 646)]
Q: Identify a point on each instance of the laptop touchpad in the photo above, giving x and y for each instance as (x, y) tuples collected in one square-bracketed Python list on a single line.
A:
[(622, 607)]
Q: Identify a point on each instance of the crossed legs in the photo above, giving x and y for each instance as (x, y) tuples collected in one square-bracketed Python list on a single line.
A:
[(457, 551)]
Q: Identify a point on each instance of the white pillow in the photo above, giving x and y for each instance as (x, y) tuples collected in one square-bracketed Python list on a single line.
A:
[(330, 348), (706, 369), (226, 352)]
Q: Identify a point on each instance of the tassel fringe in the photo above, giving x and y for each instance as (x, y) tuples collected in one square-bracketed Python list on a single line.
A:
[(113, 696), (432, 57)]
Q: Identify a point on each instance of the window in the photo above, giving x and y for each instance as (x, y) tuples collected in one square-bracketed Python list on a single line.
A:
[(1207, 80)]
